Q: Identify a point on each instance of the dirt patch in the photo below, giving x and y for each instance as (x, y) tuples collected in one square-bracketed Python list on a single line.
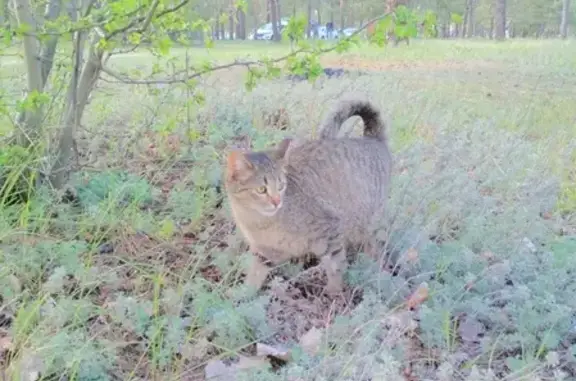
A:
[(368, 64)]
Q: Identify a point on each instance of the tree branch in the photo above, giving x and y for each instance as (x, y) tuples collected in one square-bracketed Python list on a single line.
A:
[(149, 16), (53, 8), (183, 76), (28, 121)]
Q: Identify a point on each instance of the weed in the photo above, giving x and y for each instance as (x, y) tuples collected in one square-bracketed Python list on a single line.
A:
[(137, 275)]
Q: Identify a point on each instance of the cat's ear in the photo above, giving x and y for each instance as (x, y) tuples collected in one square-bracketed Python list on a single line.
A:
[(237, 164), (284, 148)]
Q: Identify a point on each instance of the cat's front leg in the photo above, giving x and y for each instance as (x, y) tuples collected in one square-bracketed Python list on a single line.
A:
[(262, 258), (257, 272)]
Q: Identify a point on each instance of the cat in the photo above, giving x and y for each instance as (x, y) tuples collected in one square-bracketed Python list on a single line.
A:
[(312, 196)]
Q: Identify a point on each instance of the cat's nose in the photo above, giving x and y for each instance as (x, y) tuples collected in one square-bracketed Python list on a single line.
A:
[(275, 200)]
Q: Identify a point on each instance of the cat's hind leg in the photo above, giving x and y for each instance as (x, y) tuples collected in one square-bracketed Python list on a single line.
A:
[(334, 263)]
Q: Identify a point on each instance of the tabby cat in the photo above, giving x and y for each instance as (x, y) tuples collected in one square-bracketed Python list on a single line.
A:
[(315, 196)]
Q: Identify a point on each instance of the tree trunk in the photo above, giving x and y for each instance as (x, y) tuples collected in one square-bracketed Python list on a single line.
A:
[(241, 24), (274, 20), (443, 30), (471, 29), (465, 22), (29, 121), (255, 15), (217, 26), (332, 13), (390, 6), (5, 16), (48, 50), (491, 32), (342, 17), (565, 18), (85, 74), (222, 31), (231, 23), (81, 87), (500, 19), (351, 15), (278, 13), (309, 28)]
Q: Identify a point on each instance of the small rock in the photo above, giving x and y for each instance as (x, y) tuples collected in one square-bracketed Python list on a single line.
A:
[(106, 248), (529, 245), (471, 330)]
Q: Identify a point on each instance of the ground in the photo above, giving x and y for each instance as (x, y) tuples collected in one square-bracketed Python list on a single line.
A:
[(139, 277)]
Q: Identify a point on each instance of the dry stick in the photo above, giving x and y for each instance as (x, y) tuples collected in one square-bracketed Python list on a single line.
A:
[(237, 63)]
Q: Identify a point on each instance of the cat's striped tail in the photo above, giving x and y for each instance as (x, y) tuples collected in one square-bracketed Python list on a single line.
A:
[(374, 126)]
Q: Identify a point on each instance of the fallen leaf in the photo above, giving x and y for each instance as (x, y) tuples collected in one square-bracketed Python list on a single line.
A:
[(418, 297), (311, 341), (471, 330), (218, 370), (268, 350), (252, 362)]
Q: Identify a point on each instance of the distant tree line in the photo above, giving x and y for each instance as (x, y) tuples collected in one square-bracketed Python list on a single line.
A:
[(498, 19)]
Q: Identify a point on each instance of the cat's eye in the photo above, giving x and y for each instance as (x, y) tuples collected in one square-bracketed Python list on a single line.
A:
[(261, 189)]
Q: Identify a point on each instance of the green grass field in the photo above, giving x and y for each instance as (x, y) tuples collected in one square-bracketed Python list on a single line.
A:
[(141, 278)]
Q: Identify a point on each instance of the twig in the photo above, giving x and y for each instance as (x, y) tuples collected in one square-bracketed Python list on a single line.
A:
[(182, 76), (148, 17)]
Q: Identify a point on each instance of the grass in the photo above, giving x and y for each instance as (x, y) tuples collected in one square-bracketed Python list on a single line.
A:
[(140, 279)]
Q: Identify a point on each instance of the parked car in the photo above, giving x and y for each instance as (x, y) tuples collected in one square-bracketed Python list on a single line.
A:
[(349, 31), (265, 32), (323, 34)]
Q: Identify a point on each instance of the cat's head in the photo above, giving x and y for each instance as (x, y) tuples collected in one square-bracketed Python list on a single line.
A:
[(257, 180)]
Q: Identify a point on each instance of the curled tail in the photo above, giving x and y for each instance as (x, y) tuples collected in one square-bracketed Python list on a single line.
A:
[(373, 124)]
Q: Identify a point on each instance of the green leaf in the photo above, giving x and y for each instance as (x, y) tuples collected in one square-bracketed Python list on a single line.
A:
[(295, 29), (135, 38), (429, 24), (343, 45), (223, 18), (167, 229), (456, 18), (252, 78), (163, 45), (242, 5), (381, 29), (208, 41)]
